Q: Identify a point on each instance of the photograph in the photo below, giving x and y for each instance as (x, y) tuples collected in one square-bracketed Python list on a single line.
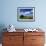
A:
[(26, 14), (22, 22)]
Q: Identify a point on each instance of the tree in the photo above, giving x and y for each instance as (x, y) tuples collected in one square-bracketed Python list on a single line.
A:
[(22, 16)]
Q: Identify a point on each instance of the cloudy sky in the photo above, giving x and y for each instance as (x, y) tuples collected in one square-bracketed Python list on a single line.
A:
[(26, 12)]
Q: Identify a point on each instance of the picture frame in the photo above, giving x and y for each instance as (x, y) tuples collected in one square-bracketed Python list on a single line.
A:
[(26, 14)]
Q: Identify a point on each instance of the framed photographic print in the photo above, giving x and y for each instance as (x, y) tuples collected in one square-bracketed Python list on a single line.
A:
[(26, 14)]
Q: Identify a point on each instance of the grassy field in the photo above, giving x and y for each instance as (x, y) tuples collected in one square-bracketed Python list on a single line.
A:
[(26, 17)]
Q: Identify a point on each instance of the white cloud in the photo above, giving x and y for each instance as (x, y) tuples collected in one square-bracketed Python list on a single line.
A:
[(25, 13)]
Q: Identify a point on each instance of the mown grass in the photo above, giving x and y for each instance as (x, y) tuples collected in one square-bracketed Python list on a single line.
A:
[(26, 17)]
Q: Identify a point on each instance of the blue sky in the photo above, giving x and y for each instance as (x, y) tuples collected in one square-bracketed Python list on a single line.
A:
[(26, 12)]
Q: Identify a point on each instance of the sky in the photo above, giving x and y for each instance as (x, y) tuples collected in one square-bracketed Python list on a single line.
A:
[(26, 12)]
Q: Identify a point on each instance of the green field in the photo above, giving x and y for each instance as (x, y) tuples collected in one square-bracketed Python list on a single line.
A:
[(26, 17)]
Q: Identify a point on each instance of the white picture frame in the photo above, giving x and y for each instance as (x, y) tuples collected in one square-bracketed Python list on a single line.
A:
[(26, 14)]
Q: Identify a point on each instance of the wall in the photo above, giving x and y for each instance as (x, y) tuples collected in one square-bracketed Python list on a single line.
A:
[(9, 13)]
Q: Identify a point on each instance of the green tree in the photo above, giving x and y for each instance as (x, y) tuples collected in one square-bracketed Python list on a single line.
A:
[(22, 16)]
